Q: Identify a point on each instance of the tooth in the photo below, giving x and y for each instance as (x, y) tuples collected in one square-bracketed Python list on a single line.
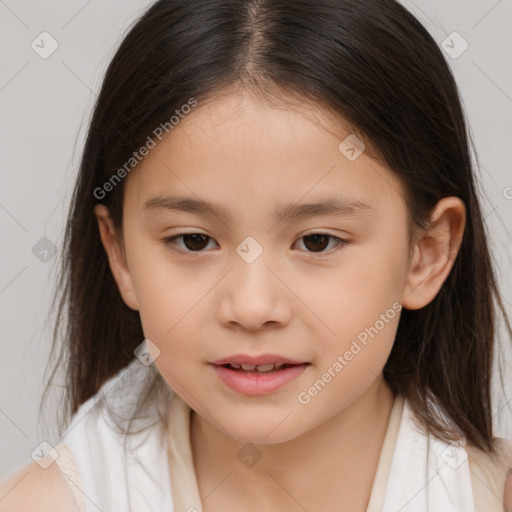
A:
[(265, 367), (248, 366), (235, 366), (278, 366)]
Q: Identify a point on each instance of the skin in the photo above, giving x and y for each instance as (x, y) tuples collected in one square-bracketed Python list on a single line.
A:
[(250, 156)]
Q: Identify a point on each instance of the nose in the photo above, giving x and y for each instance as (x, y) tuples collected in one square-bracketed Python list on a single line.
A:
[(254, 296)]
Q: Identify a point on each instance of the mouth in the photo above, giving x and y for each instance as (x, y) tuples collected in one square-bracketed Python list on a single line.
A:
[(248, 362), (261, 368), (258, 375)]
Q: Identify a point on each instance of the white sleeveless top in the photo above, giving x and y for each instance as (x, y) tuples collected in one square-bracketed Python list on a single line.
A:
[(416, 472)]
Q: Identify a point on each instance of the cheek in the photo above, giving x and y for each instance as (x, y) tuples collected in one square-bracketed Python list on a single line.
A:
[(349, 365), (169, 320), (332, 390), (364, 295), (170, 299), (361, 306), (362, 338)]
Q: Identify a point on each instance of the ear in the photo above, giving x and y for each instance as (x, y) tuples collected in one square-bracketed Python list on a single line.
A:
[(116, 257), (435, 253)]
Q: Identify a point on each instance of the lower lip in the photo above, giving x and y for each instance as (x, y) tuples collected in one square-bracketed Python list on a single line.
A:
[(258, 383)]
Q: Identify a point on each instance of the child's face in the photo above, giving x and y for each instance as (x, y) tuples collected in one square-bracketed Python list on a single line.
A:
[(334, 307)]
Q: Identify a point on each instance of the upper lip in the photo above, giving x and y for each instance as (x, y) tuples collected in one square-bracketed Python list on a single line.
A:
[(256, 360)]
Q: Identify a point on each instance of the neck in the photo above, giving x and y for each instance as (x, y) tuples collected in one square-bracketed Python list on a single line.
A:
[(340, 457)]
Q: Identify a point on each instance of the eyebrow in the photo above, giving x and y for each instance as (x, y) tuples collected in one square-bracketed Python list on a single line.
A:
[(331, 206)]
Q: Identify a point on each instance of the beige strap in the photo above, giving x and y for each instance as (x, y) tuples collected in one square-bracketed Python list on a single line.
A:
[(185, 492), (386, 455), (67, 464), (488, 475)]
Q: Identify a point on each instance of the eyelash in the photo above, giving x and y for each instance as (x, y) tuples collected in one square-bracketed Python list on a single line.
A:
[(170, 242)]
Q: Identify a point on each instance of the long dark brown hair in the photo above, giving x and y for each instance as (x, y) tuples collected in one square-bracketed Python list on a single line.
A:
[(370, 62)]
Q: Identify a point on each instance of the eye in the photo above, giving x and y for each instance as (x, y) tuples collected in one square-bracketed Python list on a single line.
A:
[(194, 242), (318, 241)]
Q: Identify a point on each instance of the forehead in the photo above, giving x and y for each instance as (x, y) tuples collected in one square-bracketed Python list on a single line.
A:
[(239, 152)]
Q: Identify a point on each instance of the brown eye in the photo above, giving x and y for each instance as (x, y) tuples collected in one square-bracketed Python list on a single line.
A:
[(193, 242), (197, 242), (318, 242)]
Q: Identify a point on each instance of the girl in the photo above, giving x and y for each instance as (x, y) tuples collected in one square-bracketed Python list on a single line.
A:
[(278, 287)]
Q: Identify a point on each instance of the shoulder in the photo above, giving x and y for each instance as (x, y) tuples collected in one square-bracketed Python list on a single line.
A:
[(508, 492), (506, 447), (34, 489), (491, 475)]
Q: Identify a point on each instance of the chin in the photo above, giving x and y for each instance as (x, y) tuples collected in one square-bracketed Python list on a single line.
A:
[(264, 433)]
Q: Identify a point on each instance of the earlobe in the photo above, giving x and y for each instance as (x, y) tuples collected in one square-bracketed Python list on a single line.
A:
[(435, 253), (116, 256)]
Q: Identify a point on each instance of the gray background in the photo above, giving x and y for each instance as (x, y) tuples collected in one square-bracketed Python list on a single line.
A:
[(45, 106)]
